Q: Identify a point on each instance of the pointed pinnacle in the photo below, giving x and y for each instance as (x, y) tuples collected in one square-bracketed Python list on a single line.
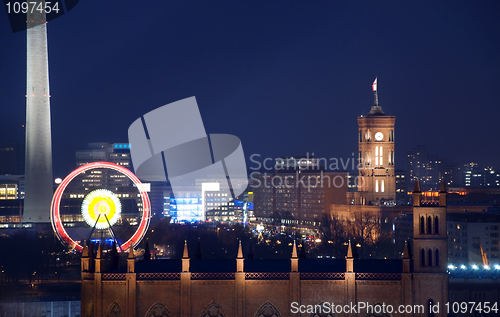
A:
[(131, 251), (185, 254), (416, 188), (294, 250), (443, 187), (85, 251), (240, 252), (406, 252), (99, 252), (349, 251)]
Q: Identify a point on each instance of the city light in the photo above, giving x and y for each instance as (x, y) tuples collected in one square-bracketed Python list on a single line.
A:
[(474, 267)]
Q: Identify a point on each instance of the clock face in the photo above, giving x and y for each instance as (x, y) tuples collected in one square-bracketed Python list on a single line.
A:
[(379, 136)]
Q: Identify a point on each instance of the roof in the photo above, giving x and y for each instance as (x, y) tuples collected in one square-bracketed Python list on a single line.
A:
[(376, 111)]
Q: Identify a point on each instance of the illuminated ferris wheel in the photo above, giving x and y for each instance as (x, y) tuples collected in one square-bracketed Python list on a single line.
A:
[(100, 201)]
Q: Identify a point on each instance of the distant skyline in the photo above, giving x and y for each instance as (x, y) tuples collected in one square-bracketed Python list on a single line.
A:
[(287, 78)]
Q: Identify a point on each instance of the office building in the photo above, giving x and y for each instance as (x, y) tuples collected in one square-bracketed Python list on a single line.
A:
[(472, 236), (297, 195)]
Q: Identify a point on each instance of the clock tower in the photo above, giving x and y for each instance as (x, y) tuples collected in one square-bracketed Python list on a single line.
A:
[(376, 182)]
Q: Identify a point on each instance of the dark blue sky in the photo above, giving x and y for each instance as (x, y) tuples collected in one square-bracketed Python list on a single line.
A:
[(286, 77)]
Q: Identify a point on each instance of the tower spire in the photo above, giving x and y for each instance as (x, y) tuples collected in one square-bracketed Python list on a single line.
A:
[(240, 251), (376, 109)]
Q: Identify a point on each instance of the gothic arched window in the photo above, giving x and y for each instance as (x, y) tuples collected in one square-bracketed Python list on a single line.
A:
[(422, 257), (268, 310), (115, 310), (158, 310), (436, 225), (430, 256), (213, 310)]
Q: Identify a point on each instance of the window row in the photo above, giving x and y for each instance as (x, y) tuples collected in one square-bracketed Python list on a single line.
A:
[(379, 157), (427, 227), (427, 259)]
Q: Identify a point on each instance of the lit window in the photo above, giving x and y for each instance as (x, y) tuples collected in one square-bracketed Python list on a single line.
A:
[(378, 156), (376, 186)]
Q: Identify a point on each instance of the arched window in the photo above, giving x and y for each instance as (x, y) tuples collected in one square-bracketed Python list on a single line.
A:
[(268, 309), (436, 225), (115, 310), (437, 257), (430, 257), (422, 257), (429, 225), (422, 225), (158, 310), (213, 310)]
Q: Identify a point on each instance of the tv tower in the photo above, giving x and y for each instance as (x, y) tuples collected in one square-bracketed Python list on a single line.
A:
[(38, 165)]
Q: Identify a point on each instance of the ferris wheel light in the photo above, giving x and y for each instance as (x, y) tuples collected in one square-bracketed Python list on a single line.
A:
[(55, 214), (101, 208)]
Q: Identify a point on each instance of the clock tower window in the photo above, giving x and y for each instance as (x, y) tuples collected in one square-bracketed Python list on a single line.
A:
[(378, 155)]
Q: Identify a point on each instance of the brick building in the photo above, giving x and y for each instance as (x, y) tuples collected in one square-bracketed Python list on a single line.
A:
[(250, 287)]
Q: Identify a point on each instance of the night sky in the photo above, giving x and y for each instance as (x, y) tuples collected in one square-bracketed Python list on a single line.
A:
[(286, 77)]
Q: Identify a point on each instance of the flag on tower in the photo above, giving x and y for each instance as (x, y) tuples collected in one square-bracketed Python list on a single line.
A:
[(374, 85)]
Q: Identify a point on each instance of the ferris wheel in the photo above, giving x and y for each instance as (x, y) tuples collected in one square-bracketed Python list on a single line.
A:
[(100, 201)]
